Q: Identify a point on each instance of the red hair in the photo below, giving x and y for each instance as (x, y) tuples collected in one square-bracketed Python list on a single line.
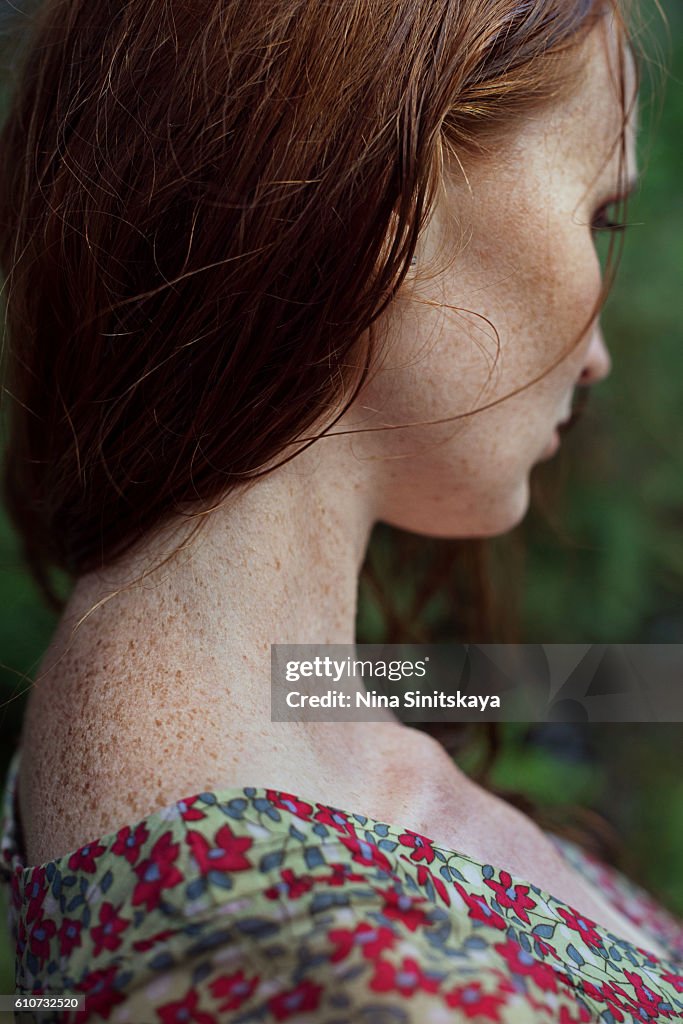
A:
[(204, 208)]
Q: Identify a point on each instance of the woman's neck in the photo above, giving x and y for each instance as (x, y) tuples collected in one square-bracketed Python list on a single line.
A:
[(188, 645), (277, 563)]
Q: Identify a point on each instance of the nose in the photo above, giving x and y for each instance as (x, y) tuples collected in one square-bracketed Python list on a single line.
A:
[(598, 363)]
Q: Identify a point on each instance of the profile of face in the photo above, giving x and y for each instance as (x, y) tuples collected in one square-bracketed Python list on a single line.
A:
[(523, 277)]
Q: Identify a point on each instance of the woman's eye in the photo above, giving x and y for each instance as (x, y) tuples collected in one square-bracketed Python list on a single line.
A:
[(606, 219)]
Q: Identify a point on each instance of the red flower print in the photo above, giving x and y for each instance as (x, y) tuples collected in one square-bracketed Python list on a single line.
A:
[(39, 937), (606, 994), (512, 896), (404, 908), (128, 843), (84, 859), (544, 947), (473, 1002), (407, 979), (521, 962), (341, 874), (479, 910), (293, 885), (36, 892), (184, 1010), (235, 989), (371, 939), (568, 1018), (226, 853), (100, 995), (583, 925), (648, 1000), (592, 990), (302, 999), (188, 811), (334, 819), (106, 934), (69, 935), (287, 802), (635, 1012), (673, 979), (421, 846), (143, 945), (424, 876), (157, 872), (366, 853)]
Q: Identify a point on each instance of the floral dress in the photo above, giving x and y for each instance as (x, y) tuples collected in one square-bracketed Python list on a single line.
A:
[(252, 906)]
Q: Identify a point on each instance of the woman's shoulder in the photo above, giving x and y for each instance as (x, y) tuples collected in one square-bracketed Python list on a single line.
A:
[(109, 738)]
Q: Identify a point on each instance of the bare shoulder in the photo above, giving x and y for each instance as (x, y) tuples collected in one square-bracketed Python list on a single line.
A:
[(109, 736)]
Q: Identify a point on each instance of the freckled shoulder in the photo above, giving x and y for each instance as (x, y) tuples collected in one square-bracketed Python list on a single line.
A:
[(108, 739)]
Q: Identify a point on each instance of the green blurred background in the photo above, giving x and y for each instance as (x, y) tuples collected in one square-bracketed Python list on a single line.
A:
[(604, 564)]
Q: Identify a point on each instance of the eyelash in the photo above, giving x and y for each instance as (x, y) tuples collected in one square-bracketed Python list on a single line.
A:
[(603, 222)]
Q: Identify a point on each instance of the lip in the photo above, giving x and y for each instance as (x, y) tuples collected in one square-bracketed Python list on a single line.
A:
[(577, 408), (560, 429)]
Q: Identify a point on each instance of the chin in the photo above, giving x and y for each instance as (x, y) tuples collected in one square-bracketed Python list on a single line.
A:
[(484, 515)]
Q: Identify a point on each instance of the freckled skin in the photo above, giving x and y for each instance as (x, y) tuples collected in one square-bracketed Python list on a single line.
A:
[(164, 690)]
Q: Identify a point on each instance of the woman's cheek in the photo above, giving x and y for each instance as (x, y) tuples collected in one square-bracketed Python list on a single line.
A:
[(572, 287), (586, 284)]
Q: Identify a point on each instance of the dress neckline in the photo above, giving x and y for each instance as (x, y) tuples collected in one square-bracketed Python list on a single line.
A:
[(304, 809)]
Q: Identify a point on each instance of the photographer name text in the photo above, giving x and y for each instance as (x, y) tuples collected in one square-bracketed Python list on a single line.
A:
[(409, 699)]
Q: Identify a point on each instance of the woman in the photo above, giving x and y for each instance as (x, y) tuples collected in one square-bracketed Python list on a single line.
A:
[(277, 272)]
